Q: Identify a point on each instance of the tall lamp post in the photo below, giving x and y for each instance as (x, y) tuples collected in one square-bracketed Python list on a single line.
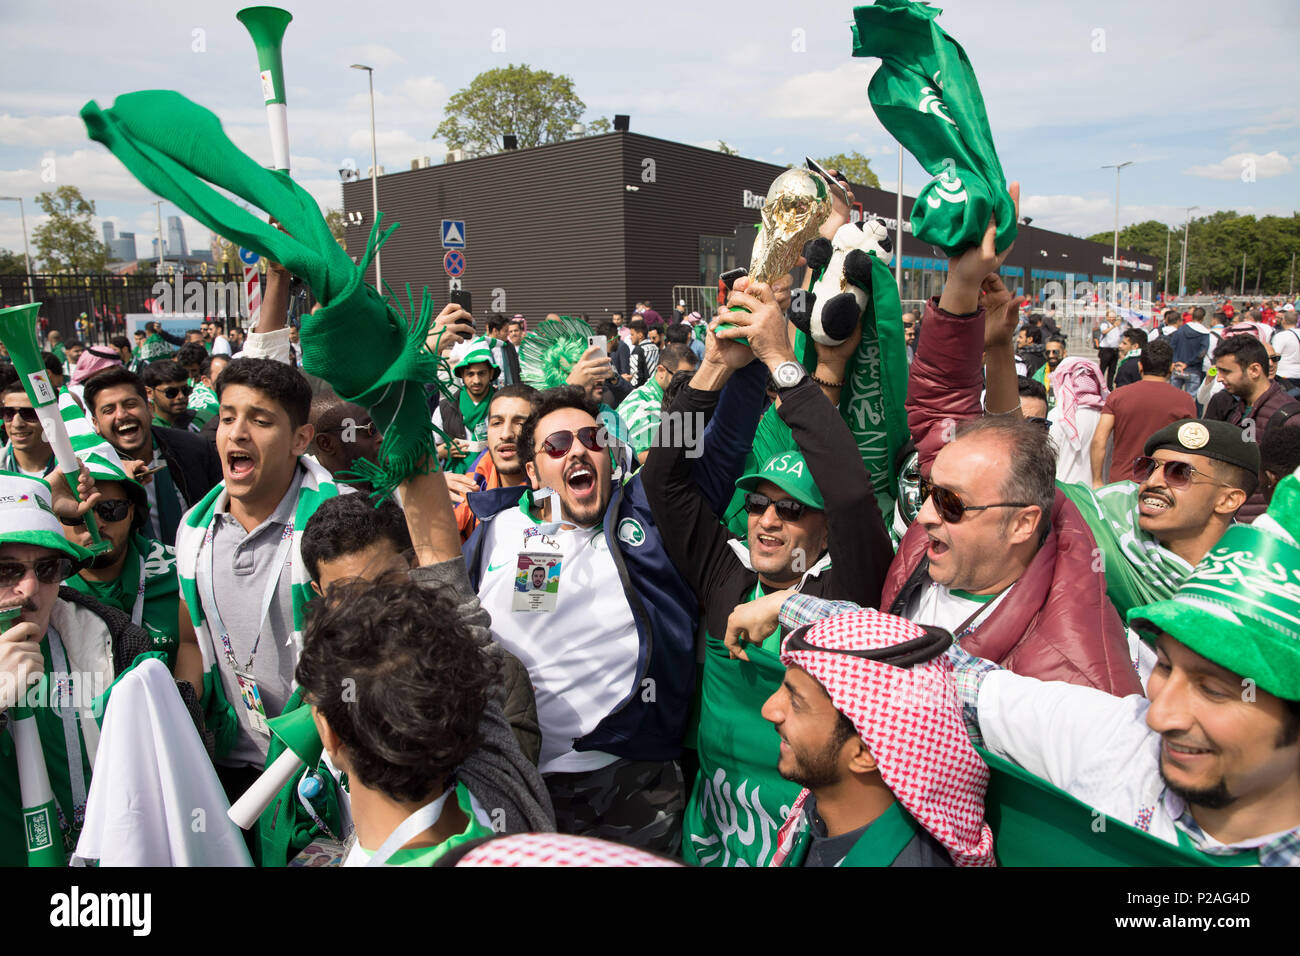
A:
[(1114, 255), (27, 256), (158, 207), (374, 164), (1182, 269)]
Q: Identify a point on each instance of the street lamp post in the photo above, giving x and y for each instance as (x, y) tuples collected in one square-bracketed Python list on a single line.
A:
[(158, 207), (1168, 235), (1182, 269), (1114, 255), (27, 256), (374, 164)]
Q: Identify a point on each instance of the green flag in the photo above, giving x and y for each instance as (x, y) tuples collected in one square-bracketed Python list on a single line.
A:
[(925, 93), (739, 801)]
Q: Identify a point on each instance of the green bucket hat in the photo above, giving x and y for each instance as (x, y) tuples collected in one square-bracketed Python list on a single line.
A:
[(789, 472), (477, 350), (1241, 606), (27, 517)]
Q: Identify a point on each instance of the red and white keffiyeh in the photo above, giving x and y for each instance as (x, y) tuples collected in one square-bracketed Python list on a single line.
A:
[(911, 721), (558, 849), (1077, 382)]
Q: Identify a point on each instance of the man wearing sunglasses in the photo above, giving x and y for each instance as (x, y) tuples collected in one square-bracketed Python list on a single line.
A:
[(138, 575), (996, 556), (812, 523), (74, 645), (27, 451), (610, 650), (169, 393)]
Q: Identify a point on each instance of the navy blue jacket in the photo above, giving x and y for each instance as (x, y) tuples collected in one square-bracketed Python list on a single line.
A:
[(1189, 346), (650, 723)]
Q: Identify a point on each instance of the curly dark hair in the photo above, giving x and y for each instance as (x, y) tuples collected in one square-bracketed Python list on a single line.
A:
[(552, 400), (283, 384), (192, 353), (404, 695), (346, 524)]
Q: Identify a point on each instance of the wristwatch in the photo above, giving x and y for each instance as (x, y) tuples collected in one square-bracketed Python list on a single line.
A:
[(788, 374)]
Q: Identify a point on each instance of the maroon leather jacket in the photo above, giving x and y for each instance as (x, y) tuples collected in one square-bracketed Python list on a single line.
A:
[(1056, 623)]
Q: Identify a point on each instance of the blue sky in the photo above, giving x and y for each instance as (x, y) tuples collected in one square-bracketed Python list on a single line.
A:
[(1193, 92)]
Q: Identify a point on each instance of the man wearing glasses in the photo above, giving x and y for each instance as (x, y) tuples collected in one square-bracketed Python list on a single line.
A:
[(169, 394), (812, 523), (27, 451), (610, 650), (69, 648)]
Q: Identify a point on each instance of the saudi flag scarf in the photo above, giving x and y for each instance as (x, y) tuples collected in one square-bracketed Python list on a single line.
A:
[(1138, 570), (925, 93), (175, 148), (194, 533)]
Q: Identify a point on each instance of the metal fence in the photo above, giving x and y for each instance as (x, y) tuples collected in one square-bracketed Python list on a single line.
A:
[(105, 299)]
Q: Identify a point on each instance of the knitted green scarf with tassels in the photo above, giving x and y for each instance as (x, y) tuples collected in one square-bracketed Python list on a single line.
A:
[(359, 342)]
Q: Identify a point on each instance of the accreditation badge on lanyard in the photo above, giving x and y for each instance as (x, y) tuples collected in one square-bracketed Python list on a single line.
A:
[(249, 692)]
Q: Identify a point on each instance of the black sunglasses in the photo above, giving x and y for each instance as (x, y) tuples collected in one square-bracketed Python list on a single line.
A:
[(787, 509), (952, 509), (557, 444), (26, 414), (48, 571), (114, 510), (1178, 474), (171, 391)]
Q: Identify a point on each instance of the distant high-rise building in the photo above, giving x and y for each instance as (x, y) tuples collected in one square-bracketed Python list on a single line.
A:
[(153, 244), (108, 234), (176, 237), (122, 249)]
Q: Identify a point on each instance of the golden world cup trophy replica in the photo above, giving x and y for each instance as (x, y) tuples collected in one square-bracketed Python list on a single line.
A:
[(797, 204)]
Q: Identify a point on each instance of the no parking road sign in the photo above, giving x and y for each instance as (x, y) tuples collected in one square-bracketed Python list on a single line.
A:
[(454, 263)]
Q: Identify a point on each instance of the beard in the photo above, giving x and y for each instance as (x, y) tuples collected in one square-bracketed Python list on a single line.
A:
[(1208, 798), (816, 771)]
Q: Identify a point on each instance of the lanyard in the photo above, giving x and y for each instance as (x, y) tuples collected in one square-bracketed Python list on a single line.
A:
[(68, 715), (417, 822), (282, 557)]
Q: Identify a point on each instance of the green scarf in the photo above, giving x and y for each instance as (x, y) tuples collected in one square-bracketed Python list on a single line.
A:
[(161, 592), (175, 148), (1138, 570), (317, 486), (475, 415), (925, 93)]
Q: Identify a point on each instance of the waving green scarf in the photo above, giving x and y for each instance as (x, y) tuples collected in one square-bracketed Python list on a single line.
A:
[(175, 148), (925, 93)]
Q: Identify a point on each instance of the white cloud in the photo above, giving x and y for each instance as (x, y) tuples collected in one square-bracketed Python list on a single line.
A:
[(1238, 164), (43, 132), (374, 54)]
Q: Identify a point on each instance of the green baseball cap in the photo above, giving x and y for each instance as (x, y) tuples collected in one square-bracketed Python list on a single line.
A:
[(1240, 608), (789, 472)]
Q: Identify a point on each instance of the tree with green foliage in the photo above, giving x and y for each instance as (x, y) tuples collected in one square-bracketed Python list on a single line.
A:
[(12, 263), (536, 106), (334, 219), (599, 125), (1216, 244), (726, 150), (853, 165), (66, 241)]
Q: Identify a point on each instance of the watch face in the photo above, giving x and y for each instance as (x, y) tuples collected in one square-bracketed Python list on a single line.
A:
[(787, 374)]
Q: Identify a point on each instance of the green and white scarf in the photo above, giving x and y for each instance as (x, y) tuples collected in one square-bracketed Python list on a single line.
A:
[(1138, 570), (203, 403), (195, 529), (925, 93)]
